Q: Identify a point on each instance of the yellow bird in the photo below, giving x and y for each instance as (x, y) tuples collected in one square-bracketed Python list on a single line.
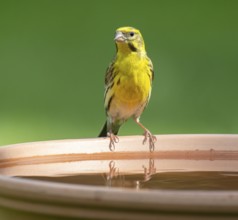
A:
[(128, 84)]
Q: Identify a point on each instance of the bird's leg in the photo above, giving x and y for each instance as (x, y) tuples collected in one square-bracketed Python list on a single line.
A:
[(113, 139), (148, 135)]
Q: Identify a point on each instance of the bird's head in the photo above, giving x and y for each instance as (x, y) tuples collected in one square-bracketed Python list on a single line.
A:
[(129, 39)]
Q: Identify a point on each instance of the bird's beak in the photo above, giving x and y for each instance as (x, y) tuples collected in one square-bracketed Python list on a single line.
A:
[(119, 37)]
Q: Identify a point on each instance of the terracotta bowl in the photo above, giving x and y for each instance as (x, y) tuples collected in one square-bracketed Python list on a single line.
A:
[(23, 194)]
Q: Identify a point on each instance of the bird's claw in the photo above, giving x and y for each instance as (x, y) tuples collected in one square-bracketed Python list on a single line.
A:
[(152, 140), (113, 139)]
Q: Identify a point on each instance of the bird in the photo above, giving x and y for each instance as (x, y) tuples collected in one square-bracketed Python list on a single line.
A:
[(128, 84)]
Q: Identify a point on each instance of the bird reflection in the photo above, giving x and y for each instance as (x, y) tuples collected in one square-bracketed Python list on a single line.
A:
[(115, 178), (113, 173), (148, 172)]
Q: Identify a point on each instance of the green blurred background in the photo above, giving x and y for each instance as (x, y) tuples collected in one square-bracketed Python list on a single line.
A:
[(54, 53)]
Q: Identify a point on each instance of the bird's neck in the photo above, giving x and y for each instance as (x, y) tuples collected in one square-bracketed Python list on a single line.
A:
[(125, 49), (129, 54)]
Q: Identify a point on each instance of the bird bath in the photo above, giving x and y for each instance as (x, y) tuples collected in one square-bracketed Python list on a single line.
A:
[(186, 177)]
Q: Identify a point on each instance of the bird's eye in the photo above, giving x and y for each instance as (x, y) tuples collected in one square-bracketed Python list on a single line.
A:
[(132, 34)]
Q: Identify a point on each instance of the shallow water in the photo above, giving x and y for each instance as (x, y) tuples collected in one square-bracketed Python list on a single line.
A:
[(165, 181), (183, 170)]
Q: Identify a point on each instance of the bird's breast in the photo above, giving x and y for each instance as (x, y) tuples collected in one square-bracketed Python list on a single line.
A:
[(133, 83)]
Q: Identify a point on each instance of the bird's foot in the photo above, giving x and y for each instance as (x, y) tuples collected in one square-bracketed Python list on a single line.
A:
[(152, 140), (113, 139)]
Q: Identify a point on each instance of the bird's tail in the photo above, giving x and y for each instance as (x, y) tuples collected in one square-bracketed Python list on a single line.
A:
[(115, 129), (103, 132)]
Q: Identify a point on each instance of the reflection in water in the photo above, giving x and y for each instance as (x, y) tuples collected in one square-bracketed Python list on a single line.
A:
[(151, 173), (148, 172), (115, 178), (112, 174)]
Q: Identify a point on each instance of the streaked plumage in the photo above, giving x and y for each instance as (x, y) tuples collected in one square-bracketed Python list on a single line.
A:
[(128, 84)]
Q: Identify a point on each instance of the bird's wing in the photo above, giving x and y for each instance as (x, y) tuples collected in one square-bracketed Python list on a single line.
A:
[(110, 74), (150, 64)]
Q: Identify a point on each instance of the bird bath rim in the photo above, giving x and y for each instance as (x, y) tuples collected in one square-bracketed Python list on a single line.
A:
[(95, 201)]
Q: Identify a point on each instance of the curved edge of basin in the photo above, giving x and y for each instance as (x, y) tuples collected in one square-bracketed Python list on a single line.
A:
[(126, 144), (97, 202), (101, 202)]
